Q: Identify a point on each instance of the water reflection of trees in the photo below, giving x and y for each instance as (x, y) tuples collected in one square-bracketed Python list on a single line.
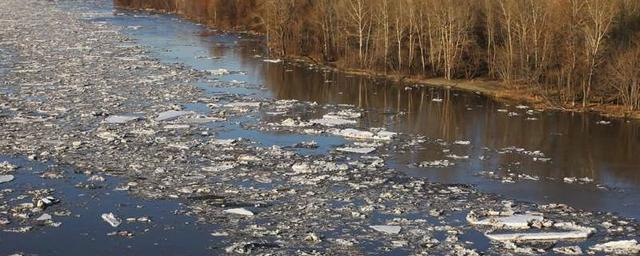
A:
[(576, 144)]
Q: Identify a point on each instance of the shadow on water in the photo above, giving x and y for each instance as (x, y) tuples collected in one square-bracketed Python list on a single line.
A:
[(577, 144)]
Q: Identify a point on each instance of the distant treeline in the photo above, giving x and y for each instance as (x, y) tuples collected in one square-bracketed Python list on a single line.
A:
[(571, 51)]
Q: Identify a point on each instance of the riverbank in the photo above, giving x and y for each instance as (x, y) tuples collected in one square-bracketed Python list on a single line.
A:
[(493, 89), (207, 13)]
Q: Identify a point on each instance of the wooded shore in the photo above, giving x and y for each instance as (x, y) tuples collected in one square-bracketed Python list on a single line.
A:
[(571, 54)]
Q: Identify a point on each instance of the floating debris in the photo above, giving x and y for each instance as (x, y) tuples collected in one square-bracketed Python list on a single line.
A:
[(219, 72), (295, 201), (568, 250), (457, 157), (518, 221), (365, 135), (386, 229), (437, 163), (272, 60), (112, 219), (45, 202), (239, 211), (44, 217), (96, 178), (332, 121), (120, 119), (306, 144), (122, 233), (626, 247), (365, 150), (6, 178), (7, 167), (583, 180), (540, 236), (171, 114)]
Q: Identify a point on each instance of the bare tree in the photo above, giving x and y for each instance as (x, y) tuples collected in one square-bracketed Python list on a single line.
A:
[(507, 8), (599, 17), (358, 13), (573, 49), (399, 24), (454, 22), (623, 75)]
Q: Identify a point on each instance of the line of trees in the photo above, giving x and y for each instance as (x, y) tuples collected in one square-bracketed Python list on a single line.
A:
[(573, 52)]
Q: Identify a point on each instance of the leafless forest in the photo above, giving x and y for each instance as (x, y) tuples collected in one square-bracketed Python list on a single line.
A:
[(569, 52)]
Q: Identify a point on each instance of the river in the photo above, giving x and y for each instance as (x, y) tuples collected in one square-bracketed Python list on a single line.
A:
[(502, 135), (505, 149)]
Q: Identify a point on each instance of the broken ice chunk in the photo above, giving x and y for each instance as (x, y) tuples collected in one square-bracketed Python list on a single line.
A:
[(6, 166), (366, 135), (568, 250), (111, 219), (332, 121), (219, 72), (454, 156), (386, 229), (176, 126), (570, 231), (272, 60), (219, 167), (223, 142), (120, 119), (626, 247), (504, 220), (243, 105), (437, 163), (513, 221), (44, 217), (301, 168), (365, 150), (6, 178), (539, 236), (171, 114), (239, 211), (356, 134)]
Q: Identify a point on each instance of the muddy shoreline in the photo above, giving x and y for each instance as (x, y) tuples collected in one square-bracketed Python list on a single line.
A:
[(84, 94)]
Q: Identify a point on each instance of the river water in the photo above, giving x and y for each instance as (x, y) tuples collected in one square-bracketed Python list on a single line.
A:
[(514, 151), (82, 232)]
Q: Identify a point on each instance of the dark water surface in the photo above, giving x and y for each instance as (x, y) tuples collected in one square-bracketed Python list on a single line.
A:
[(167, 232), (500, 134)]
